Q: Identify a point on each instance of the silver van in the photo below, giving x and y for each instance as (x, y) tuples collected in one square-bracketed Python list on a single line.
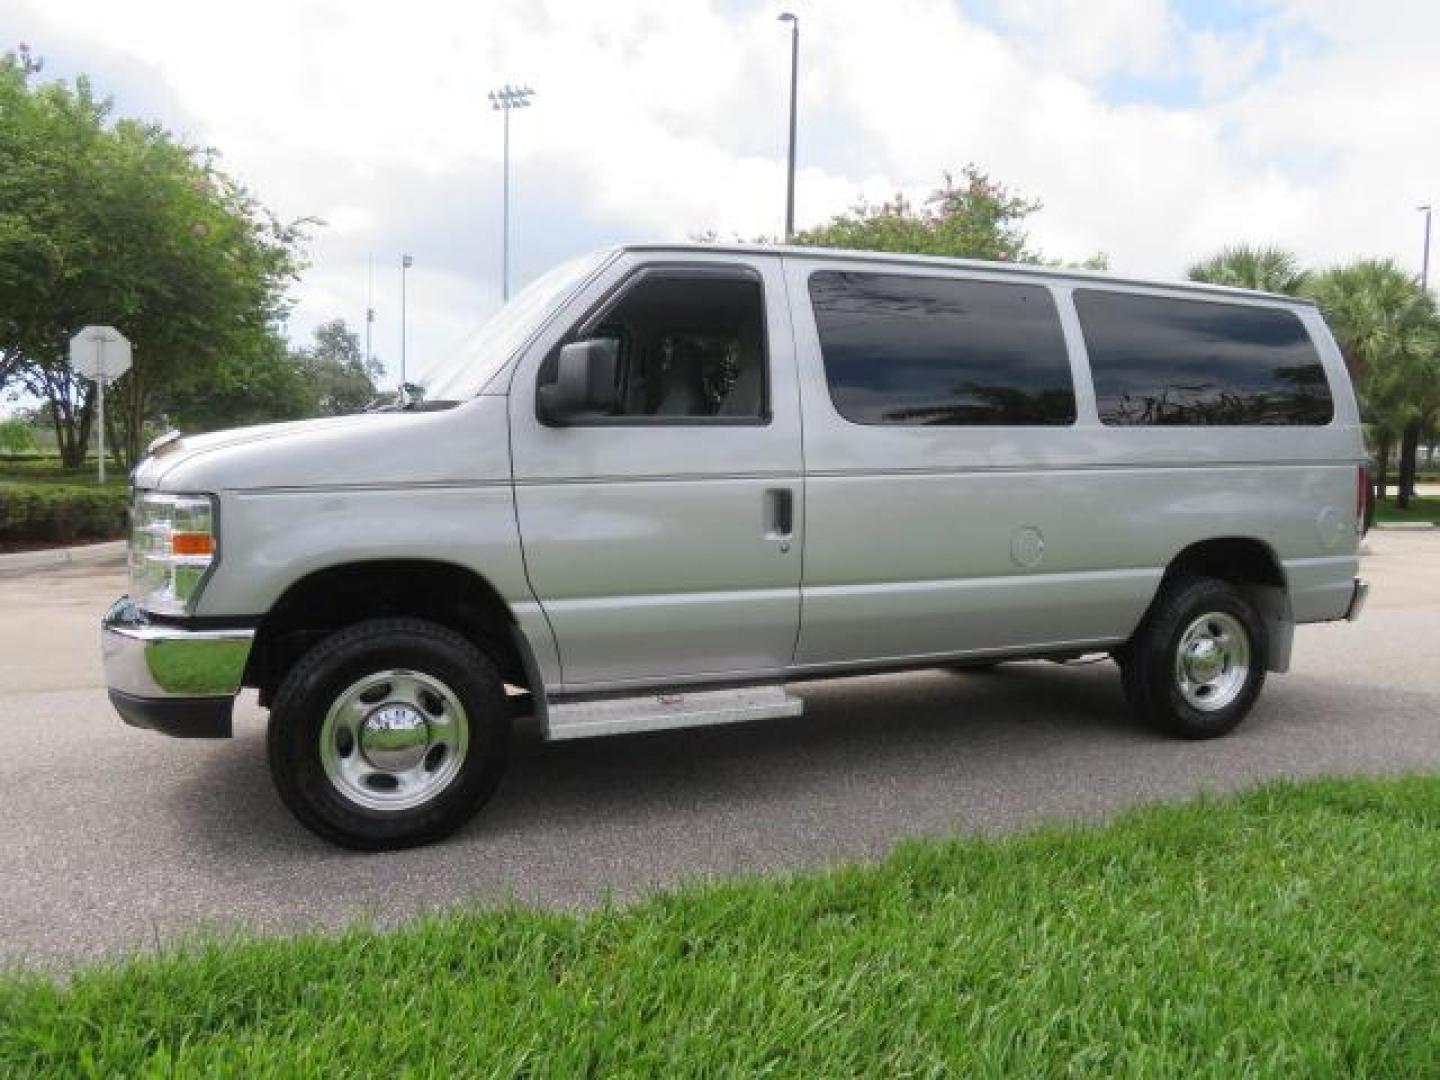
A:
[(670, 481)]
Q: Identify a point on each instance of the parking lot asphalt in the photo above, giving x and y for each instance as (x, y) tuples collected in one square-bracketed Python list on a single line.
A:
[(116, 839)]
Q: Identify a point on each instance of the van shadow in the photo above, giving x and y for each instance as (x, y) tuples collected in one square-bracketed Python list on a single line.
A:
[(871, 762), (881, 733), (878, 732)]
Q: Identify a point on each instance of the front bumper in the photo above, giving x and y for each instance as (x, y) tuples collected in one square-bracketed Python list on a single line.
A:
[(169, 678)]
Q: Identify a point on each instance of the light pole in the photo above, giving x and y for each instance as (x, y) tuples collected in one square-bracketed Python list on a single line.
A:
[(405, 263), (794, 22), (505, 99), (1425, 258), (369, 309)]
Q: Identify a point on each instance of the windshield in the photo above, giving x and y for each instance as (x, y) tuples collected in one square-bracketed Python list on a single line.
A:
[(485, 351)]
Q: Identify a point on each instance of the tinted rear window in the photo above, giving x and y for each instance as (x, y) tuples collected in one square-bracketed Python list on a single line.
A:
[(900, 349), (1161, 361)]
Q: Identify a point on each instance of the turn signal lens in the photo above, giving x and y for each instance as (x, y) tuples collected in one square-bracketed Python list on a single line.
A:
[(192, 543)]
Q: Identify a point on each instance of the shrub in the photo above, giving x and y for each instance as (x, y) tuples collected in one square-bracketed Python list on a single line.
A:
[(16, 436), (36, 513)]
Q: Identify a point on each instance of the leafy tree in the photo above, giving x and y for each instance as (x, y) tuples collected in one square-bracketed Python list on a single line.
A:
[(46, 133), (340, 379), (1271, 269), (256, 384), (1387, 328), (271, 381), (123, 224), (975, 218)]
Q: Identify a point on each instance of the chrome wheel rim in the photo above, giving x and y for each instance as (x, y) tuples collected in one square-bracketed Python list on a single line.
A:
[(394, 740), (1212, 662)]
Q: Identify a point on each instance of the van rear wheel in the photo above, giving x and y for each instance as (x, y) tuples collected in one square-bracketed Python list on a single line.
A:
[(1196, 664), (388, 734)]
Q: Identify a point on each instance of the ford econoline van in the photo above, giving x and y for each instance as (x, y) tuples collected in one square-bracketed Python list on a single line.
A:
[(669, 482)]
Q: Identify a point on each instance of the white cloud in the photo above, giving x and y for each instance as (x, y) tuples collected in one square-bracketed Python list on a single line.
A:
[(1146, 133), (1089, 40)]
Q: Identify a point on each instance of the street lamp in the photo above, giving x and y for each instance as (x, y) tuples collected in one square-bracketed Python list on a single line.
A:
[(1425, 259), (794, 22), (369, 307), (406, 262), (505, 99)]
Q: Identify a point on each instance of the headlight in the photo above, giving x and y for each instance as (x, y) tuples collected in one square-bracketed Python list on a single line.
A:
[(172, 546)]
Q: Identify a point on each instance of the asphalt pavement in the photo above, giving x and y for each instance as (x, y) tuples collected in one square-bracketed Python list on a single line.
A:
[(116, 839)]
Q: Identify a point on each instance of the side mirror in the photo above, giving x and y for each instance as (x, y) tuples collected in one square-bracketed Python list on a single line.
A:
[(584, 382)]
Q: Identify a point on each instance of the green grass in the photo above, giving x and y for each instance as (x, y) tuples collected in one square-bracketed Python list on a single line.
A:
[(1294, 931), (1419, 510)]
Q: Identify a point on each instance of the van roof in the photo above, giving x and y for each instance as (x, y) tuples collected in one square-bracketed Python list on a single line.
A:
[(892, 258)]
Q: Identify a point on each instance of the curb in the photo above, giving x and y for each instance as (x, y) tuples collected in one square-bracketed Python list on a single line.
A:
[(1405, 525), (29, 562)]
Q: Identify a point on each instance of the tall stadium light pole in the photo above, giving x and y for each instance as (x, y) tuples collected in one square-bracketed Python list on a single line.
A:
[(794, 22), (369, 309), (504, 100), (406, 262), (1425, 258)]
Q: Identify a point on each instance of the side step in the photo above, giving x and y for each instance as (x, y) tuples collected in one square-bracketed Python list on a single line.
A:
[(658, 712)]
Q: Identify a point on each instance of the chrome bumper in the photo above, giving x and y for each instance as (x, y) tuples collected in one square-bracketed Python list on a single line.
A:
[(171, 679), (1358, 597)]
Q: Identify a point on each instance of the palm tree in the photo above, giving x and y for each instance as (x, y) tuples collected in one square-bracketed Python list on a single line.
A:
[(1270, 269), (1388, 331)]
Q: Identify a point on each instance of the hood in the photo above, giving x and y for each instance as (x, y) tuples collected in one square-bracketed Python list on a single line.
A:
[(461, 445)]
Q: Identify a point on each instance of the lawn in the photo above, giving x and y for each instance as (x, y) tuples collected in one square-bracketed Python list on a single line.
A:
[(1289, 932), (1419, 510)]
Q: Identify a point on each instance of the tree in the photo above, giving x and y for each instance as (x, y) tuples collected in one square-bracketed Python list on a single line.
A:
[(46, 133), (123, 224), (340, 379), (1270, 269), (256, 384), (977, 218), (1387, 329), (271, 381)]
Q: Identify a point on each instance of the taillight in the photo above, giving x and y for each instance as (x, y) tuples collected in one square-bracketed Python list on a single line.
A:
[(1362, 499)]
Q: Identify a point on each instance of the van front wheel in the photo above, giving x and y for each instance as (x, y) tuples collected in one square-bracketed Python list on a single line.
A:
[(388, 734), (1196, 664)]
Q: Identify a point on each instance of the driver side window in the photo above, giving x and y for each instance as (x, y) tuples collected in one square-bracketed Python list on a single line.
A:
[(690, 346)]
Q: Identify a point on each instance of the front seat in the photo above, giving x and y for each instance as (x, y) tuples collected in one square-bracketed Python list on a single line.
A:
[(682, 396), (748, 393)]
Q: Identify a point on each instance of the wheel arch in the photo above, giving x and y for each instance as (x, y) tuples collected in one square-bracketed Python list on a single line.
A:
[(341, 595), (1252, 565)]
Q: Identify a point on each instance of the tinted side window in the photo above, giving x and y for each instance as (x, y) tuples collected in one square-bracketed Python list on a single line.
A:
[(1158, 360), (690, 346), (914, 350)]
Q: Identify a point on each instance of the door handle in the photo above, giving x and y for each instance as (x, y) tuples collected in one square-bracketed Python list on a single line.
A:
[(780, 515)]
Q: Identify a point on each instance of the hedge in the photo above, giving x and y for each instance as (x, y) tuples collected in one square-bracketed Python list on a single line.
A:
[(51, 513)]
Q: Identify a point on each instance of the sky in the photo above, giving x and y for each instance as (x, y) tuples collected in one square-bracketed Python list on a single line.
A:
[(1155, 131)]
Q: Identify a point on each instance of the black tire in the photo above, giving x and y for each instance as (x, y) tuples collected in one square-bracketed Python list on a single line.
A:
[(319, 680), (1151, 672)]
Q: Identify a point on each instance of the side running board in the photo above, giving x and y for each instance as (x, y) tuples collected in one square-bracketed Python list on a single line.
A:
[(658, 712)]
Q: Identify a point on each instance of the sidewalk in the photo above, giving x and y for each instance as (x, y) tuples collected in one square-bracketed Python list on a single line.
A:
[(19, 563)]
